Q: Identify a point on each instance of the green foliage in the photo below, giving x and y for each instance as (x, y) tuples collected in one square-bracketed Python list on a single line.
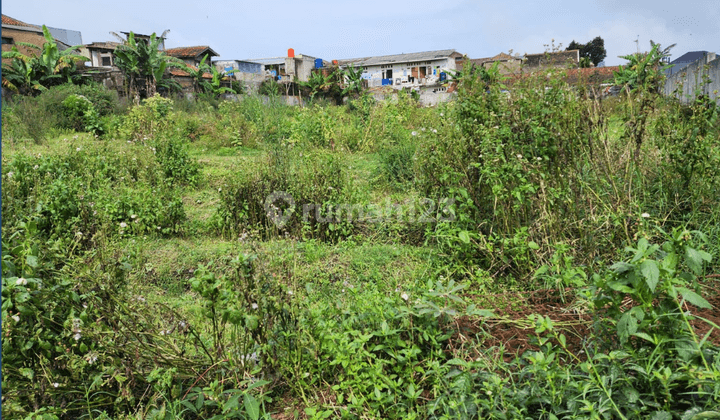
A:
[(48, 67), (316, 183), (148, 119), (143, 61), (644, 71), (36, 117), (176, 163)]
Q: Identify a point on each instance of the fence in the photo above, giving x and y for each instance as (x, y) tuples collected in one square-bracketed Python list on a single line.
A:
[(691, 79)]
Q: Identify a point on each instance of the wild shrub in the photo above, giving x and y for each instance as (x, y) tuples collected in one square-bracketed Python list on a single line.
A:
[(80, 194), (307, 188), (172, 155), (150, 118)]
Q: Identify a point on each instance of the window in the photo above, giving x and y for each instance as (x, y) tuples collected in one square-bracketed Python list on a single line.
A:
[(106, 62), (6, 40)]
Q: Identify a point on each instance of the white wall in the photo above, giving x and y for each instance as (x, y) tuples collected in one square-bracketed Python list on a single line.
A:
[(402, 71)]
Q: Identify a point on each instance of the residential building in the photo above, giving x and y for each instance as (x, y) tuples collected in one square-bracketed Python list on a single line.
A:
[(100, 54), (406, 70), (192, 56), (250, 73), (559, 59), (287, 69), (685, 59), (15, 32)]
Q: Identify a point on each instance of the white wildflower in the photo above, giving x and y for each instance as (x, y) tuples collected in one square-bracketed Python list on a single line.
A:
[(132, 216), (519, 156), (21, 281), (405, 296), (16, 318), (442, 114), (290, 292), (77, 149), (158, 227), (10, 174), (414, 133), (254, 305), (645, 215), (423, 129), (434, 131), (220, 189), (78, 234), (140, 299), (123, 225), (55, 384), (36, 167), (91, 358), (538, 158), (77, 336)]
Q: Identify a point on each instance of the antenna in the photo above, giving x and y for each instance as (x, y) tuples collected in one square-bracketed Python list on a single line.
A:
[(637, 43)]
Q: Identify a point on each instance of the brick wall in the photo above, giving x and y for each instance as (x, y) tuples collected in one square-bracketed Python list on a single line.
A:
[(17, 35)]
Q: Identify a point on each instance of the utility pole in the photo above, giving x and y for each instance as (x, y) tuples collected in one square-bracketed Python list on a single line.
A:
[(637, 43)]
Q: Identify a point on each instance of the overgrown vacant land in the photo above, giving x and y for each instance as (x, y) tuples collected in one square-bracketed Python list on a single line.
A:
[(537, 252)]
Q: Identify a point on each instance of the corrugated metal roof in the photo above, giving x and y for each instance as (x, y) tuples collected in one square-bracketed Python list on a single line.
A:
[(397, 58), (689, 57), (267, 61)]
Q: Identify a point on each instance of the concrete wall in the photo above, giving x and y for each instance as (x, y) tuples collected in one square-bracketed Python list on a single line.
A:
[(685, 83), (560, 59)]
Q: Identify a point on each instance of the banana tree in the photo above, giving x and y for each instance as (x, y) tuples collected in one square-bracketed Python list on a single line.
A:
[(317, 84), (47, 66), (144, 66), (353, 80)]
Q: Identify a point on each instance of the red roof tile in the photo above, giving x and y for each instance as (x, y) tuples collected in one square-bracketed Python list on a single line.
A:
[(182, 52), (180, 72), (7, 20)]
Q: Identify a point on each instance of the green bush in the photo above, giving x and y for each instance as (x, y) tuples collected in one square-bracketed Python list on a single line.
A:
[(316, 179), (150, 118)]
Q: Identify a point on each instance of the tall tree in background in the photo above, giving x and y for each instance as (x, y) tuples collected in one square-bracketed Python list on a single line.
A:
[(593, 50)]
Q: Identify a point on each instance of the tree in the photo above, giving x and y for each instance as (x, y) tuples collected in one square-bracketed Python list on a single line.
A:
[(593, 50), (37, 72)]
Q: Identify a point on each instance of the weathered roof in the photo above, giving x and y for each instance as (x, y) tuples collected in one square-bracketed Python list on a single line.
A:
[(689, 57), (501, 57), (267, 61), (7, 20), (397, 58), (183, 52), (108, 45), (183, 73)]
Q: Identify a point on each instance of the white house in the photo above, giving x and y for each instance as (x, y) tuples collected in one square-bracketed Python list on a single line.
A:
[(406, 70)]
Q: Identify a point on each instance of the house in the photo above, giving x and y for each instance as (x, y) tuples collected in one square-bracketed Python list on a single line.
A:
[(685, 59), (100, 54), (192, 56), (15, 32), (406, 70), (559, 59), (252, 74), (507, 64), (286, 69)]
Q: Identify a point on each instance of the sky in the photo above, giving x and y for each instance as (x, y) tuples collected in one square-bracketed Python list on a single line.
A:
[(336, 29)]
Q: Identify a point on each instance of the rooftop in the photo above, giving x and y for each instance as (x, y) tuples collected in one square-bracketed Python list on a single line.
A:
[(688, 57), (7, 20), (397, 58), (182, 52)]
